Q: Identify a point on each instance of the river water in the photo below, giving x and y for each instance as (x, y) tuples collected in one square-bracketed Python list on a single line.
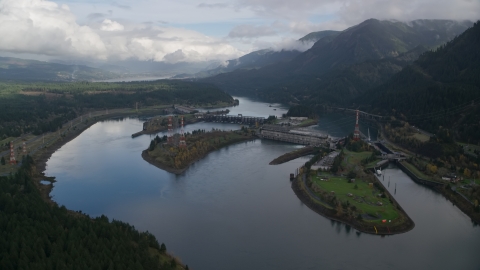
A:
[(232, 210)]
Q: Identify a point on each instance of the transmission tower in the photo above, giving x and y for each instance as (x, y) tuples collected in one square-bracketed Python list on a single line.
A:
[(182, 143), (12, 154), (356, 132), (170, 131)]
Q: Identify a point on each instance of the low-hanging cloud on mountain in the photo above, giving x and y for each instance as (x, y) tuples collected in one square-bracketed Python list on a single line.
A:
[(47, 28)]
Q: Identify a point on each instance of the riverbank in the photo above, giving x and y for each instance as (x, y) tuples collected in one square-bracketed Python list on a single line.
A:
[(443, 188), (463, 204), (307, 150), (300, 189), (154, 159), (41, 158)]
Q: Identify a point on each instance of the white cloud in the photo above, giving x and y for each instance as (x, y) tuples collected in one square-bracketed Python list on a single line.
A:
[(46, 28), (35, 26), (352, 12), (109, 25), (286, 44), (213, 5)]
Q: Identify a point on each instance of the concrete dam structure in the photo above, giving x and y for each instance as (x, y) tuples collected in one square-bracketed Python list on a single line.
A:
[(286, 134), (237, 119)]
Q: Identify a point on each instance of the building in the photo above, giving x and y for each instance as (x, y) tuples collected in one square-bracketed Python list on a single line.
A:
[(285, 134)]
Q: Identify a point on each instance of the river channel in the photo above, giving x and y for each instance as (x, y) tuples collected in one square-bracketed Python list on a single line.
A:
[(232, 210)]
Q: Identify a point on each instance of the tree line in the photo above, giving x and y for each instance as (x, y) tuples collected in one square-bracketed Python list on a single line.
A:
[(36, 235), (53, 104)]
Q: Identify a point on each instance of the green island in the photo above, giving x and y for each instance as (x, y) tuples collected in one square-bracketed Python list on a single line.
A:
[(176, 159), (349, 192)]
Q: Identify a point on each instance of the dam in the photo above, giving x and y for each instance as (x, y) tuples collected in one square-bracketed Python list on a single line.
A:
[(292, 135)]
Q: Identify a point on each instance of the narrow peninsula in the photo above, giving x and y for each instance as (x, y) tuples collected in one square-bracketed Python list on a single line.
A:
[(341, 186)]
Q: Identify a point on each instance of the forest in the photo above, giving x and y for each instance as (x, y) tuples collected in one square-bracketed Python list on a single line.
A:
[(37, 235), (44, 107), (441, 89)]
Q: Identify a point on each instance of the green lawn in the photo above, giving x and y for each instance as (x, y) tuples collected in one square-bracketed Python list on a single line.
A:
[(354, 157), (421, 137), (468, 181), (341, 187), (307, 122), (7, 140), (414, 170)]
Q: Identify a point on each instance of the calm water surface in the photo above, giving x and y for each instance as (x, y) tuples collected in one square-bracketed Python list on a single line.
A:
[(232, 210)]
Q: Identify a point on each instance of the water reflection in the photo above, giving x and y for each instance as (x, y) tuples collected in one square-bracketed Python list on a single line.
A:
[(232, 210)]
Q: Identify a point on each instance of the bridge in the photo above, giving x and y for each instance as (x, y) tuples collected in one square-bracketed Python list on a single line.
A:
[(236, 119)]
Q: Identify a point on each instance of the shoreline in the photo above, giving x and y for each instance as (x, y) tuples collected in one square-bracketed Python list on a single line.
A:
[(307, 150), (46, 153), (306, 199), (158, 130), (164, 167)]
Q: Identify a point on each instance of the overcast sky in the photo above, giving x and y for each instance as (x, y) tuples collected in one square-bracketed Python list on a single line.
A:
[(190, 30)]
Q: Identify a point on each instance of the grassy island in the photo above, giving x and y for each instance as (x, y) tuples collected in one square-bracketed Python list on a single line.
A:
[(349, 193), (199, 143)]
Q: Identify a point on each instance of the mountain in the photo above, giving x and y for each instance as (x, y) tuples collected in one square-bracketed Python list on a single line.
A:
[(32, 70), (260, 58), (340, 85), (253, 60), (316, 36), (441, 88), (337, 61)]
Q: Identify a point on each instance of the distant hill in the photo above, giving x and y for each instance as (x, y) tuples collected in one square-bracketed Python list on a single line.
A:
[(441, 88), (253, 60), (260, 58), (342, 66), (32, 70)]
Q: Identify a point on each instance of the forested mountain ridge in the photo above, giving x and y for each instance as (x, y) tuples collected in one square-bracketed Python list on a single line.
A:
[(32, 70), (339, 86), (370, 41), (316, 36), (441, 88)]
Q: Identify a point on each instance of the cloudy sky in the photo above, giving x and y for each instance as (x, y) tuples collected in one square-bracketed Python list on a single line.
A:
[(191, 30)]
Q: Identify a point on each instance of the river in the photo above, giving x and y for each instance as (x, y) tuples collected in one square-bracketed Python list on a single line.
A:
[(232, 210)]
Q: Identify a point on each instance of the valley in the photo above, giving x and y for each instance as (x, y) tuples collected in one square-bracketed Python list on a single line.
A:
[(376, 126)]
